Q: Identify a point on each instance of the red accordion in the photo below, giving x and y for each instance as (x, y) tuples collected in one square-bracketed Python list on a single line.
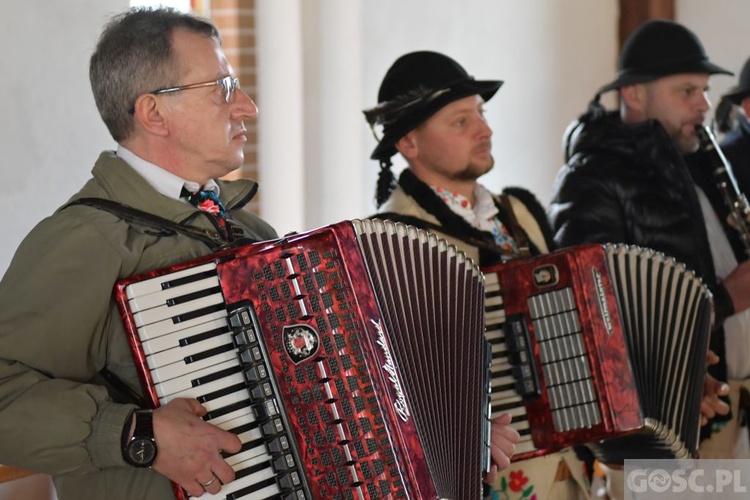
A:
[(349, 360), (599, 344)]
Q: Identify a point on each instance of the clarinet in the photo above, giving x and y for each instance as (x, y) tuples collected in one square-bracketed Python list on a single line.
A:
[(735, 200)]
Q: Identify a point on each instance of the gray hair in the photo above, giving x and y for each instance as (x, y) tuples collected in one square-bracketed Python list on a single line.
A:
[(133, 56)]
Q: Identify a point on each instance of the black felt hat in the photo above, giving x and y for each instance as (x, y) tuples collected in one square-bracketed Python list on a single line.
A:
[(742, 89), (661, 48), (416, 87)]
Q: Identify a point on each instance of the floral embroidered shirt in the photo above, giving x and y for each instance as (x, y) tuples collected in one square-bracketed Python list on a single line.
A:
[(483, 215)]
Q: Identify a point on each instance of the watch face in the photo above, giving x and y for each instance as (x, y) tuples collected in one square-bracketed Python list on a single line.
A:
[(142, 451)]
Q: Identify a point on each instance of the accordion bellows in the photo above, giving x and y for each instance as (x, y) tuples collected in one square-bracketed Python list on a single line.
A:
[(350, 360), (603, 345)]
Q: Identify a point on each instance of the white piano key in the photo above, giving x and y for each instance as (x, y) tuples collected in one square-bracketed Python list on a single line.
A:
[(203, 389), (502, 395), (154, 284), (144, 302), (506, 399), (493, 301), (168, 326), (180, 368), (240, 394), (161, 313), (242, 420), (246, 481), (497, 316), (262, 494), (178, 354), (186, 381), (172, 340), (491, 280), (522, 447), (499, 348), (221, 419), (249, 454), (516, 411), (494, 334)]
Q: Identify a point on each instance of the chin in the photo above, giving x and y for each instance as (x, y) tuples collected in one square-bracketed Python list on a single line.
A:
[(688, 145)]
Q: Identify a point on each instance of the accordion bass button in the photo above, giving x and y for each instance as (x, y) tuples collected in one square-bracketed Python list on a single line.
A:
[(283, 463), (289, 481), (272, 427), (279, 444)]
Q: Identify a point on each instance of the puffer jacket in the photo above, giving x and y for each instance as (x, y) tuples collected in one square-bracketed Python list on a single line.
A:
[(736, 147), (59, 327), (627, 183)]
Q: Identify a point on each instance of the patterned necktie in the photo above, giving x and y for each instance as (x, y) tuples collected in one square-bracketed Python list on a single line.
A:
[(209, 202)]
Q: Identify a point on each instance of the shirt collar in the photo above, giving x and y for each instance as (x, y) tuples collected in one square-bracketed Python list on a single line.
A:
[(484, 208), (163, 181)]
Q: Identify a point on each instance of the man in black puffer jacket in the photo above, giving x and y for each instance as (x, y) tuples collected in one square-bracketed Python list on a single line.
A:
[(736, 144), (625, 179)]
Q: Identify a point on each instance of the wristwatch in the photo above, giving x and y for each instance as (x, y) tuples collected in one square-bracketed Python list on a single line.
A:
[(140, 450)]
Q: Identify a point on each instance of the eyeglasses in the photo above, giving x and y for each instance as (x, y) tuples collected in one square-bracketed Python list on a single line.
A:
[(229, 83)]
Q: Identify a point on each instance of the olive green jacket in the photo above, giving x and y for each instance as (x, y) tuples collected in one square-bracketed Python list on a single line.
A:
[(59, 327)]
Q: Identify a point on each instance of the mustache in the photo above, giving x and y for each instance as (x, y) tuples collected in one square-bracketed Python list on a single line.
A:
[(484, 145)]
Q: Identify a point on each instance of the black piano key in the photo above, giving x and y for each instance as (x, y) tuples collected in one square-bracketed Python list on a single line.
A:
[(503, 387), (208, 353), (198, 313), (496, 341), (221, 392), (200, 337), (505, 407), (249, 444), (244, 427), (188, 297), (246, 446), (188, 279), (252, 470), (216, 375), (218, 412), (251, 489), (501, 373)]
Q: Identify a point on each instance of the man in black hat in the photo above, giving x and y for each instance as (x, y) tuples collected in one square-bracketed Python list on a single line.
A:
[(626, 179), (431, 112), (736, 144)]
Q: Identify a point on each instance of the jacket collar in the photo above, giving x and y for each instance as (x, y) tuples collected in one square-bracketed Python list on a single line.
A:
[(115, 180)]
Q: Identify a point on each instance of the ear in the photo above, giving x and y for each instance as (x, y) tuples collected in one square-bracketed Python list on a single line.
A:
[(745, 105), (150, 115), (633, 96), (407, 146)]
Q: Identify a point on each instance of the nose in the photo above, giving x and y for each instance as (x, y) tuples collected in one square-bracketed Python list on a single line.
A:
[(704, 103), (485, 132), (243, 106)]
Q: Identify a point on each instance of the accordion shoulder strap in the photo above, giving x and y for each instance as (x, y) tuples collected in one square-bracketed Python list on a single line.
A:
[(482, 245), (516, 230), (159, 226)]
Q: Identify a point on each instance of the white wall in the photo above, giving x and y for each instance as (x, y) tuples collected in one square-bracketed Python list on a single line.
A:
[(722, 27), (552, 56), (50, 131)]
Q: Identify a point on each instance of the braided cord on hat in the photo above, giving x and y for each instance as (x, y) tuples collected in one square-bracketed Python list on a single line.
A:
[(386, 183), (389, 111)]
